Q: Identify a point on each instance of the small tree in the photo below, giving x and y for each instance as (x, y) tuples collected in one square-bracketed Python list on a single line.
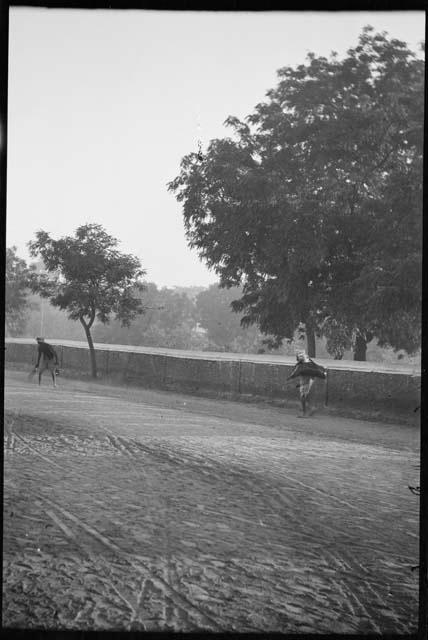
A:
[(88, 278), (16, 292)]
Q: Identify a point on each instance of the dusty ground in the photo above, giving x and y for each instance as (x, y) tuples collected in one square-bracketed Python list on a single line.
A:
[(134, 509)]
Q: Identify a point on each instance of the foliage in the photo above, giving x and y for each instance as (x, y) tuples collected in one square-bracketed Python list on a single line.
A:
[(338, 339), (48, 321), (224, 331), (87, 277), (297, 205), (16, 292), (168, 322)]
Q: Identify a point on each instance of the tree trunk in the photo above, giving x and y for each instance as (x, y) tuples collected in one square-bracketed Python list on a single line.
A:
[(310, 341), (91, 348), (360, 348)]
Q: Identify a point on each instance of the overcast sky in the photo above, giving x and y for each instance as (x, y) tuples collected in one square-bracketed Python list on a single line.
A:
[(104, 104)]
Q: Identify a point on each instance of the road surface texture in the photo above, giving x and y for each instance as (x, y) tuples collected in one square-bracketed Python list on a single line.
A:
[(131, 509)]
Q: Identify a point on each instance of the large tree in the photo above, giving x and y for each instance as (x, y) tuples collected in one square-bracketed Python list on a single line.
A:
[(294, 206), (16, 292), (87, 277)]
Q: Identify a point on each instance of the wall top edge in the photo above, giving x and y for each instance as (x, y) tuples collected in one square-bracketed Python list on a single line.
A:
[(333, 365)]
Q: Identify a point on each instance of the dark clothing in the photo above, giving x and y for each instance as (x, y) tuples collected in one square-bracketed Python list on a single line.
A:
[(48, 351), (308, 370)]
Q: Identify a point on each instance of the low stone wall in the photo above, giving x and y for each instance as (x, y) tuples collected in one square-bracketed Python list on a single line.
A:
[(349, 387)]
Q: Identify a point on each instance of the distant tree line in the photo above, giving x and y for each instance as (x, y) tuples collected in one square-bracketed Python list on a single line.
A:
[(50, 298), (192, 318)]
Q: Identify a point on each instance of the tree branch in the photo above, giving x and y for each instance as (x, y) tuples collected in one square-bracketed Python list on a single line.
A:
[(91, 318)]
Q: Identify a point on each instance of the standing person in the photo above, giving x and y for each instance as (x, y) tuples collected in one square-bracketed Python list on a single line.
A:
[(47, 359), (306, 370)]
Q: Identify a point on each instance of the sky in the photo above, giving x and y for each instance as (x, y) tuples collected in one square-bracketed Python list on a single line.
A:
[(103, 105)]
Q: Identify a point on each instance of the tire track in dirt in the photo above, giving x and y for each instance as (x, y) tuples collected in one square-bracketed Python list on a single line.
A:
[(186, 609), (169, 613), (272, 494), (10, 443), (283, 500), (247, 477), (366, 610), (277, 500), (169, 594), (76, 540), (329, 535), (36, 451), (119, 444), (294, 481), (141, 595), (174, 604)]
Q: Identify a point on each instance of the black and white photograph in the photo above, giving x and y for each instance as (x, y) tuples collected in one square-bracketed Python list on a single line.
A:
[(213, 298)]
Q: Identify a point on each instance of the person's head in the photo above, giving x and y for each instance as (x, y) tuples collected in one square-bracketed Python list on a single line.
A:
[(301, 356), (39, 340)]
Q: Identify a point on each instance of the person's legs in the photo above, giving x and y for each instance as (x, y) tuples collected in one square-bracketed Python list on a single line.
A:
[(50, 366), (43, 365), (303, 404), (304, 388), (303, 383), (309, 409)]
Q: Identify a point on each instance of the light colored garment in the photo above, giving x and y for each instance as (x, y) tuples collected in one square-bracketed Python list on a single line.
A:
[(305, 385)]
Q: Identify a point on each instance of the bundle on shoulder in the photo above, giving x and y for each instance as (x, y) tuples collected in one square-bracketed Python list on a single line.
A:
[(307, 368)]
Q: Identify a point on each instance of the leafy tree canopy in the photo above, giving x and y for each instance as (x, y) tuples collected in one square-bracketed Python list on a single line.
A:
[(306, 201), (88, 277)]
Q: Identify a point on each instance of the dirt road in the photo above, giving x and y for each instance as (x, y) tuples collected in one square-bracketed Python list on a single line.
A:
[(134, 509)]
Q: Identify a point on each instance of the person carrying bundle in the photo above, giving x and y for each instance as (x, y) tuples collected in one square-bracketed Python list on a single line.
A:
[(306, 370)]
